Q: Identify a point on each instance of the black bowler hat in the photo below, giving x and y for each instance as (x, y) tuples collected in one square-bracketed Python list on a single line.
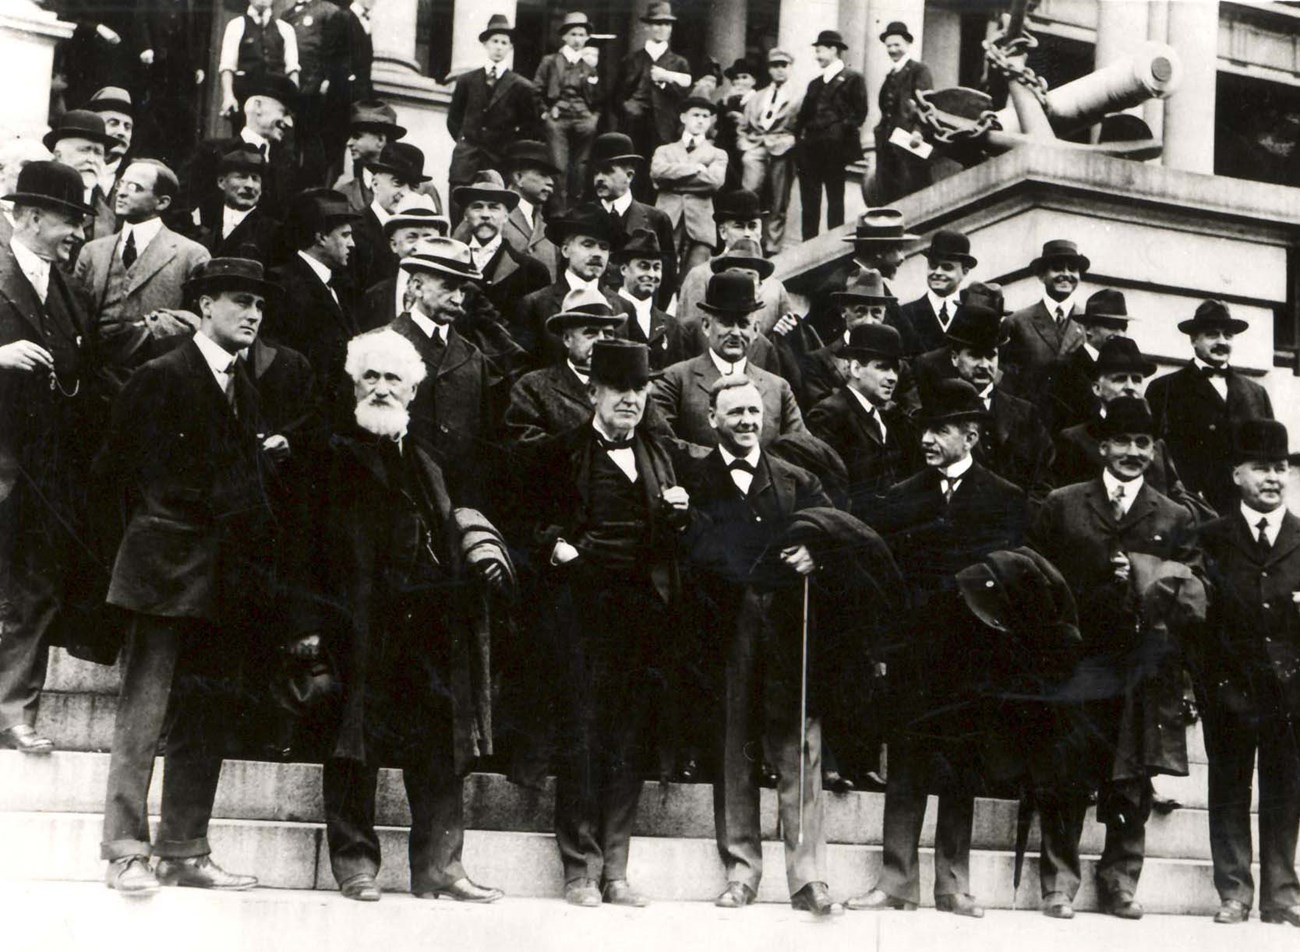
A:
[(1019, 592), (950, 244), (642, 243), (486, 187), (977, 327), (830, 38), (590, 219), (245, 157), (1125, 415), (230, 274), (279, 88), (530, 154), (880, 224), (873, 341), (403, 160), (317, 209), (896, 28), (1263, 441), (497, 23), (80, 124), (741, 65), (584, 308), (730, 294), (47, 184), (1213, 315), (621, 364), (952, 401), (375, 115), (1060, 248), (746, 254), (1121, 355), (737, 204), (1106, 307), (611, 147), (986, 294), (657, 12)]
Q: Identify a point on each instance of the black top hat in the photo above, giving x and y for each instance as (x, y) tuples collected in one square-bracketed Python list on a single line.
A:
[(977, 327), (950, 244), (880, 224), (896, 28), (986, 294), (279, 88), (590, 219), (375, 115), (403, 160), (50, 185), (642, 243), (952, 401), (577, 19), (497, 23), (80, 124), (622, 364), (613, 147), (1020, 592), (111, 99), (1060, 248), (1211, 315), (584, 308), (657, 12), (1125, 415), (697, 102), (242, 158), (878, 341), (230, 274), (730, 293), (1106, 307), (486, 187), (830, 38), (737, 204), (530, 154), (867, 287), (1121, 355), (741, 65), (317, 209), (1264, 441), (746, 254)]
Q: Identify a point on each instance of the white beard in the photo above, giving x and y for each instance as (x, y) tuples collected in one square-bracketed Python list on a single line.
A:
[(388, 420)]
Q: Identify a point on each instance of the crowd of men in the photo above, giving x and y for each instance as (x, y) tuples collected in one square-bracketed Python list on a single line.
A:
[(579, 493)]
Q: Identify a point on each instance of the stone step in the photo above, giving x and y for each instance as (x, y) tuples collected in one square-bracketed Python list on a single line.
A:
[(70, 675), (65, 846), (67, 782)]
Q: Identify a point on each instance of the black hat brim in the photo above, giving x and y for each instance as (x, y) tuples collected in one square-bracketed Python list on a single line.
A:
[(969, 261), (960, 416), (232, 282), (1083, 261), (111, 105), (664, 18), (1233, 325), (46, 201), (855, 239), (464, 194), (503, 30), (374, 125), (559, 231), (842, 297), (866, 353), (54, 135), (531, 162), (1086, 318), (763, 266), (903, 33), (1147, 368), (735, 310), (566, 319), (404, 174)]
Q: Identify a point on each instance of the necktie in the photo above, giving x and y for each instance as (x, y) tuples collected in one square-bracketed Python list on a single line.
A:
[(128, 250), (771, 106), (690, 146), (943, 314), (1262, 540), (873, 420), (230, 386), (1117, 502), (1060, 315), (492, 76), (949, 487)]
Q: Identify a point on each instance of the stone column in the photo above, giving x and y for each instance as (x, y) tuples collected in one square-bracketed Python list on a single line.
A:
[(1121, 29), (880, 13), (392, 29), (469, 19), (853, 24), (726, 30), (801, 21), (942, 41), (1189, 113), (1157, 32), (27, 38)]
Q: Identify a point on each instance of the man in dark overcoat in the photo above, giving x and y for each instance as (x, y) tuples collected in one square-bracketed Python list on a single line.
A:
[(829, 126), (1045, 333), (1246, 679), (948, 260), (406, 584), (237, 217), (899, 172), (1099, 533), (1196, 406), (642, 263), (652, 82)]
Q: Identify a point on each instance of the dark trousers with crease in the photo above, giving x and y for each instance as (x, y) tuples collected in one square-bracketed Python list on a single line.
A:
[(1061, 820), (162, 696), (818, 172)]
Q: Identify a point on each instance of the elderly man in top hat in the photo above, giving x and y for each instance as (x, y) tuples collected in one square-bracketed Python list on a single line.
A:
[(937, 522), (573, 99), (652, 82), (1246, 673), (1105, 316), (766, 140), (46, 376), (687, 173), (924, 322), (829, 127), (414, 222), (193, 574), (1045, 333), (235, 216), (81, 140), (372, 124), (615, 165), (509, 275), (681, 392), (491, 107), (1103, 535), (1196, 406), (899, 172), (394, 176), (114, 104)]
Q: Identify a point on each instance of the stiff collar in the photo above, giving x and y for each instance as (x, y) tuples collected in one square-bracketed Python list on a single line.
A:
[(578, 284), (955, 471), (655, 48), (262, 143), (573, 57), (937, 303), (726, 367), (751, 457), (430, 327), (620, 204), (902, 61), (144, 231), (1051, 304), (1131, 488), (320, 270), (220, 360), (1272, 519), (833, 70), (585, 378)]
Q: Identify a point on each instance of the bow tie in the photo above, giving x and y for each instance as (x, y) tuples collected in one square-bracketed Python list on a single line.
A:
[(608, 444), (744, 465), (1215, 371)]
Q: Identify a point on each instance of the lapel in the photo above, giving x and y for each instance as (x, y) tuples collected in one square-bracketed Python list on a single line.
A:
[(1200, 385), (1288, 538), (766, 481), (457, 353), (706, 372), (1099, 503), (502, 265), (159, 252), (242, 230), (260, 357), (1143, 506), (205, 384), (1045, 324), (859, 419), (565, 383), (504, 82), (367, 454), (516, 221), (998, 409), (15, 286)]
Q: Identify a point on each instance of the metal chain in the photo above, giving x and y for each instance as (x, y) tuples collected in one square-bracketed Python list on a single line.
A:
[(999, 52), (942, 131)]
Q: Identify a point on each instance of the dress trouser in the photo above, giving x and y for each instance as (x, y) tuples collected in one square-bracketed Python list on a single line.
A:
[(762, 701), (818, 171), (569, 139), (1231, 739), (1120, 865), (769, 176), (160, 697)]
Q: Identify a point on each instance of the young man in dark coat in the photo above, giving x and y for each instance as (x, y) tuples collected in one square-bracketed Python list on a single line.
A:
[(948, 261), (829, 125), (652, 83), (642, 263), (899, 172), (1099, 533), (397, 173), (509, 275), (397, 567), (1247, 684), (1196, 407), (1045, 333)]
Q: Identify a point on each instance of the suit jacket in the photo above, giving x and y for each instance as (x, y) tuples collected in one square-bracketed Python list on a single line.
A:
[(641, 215), (642, 102), (1196, 424), (529, 325), (873, 464), (664, 339), (308, 319), (258, 229), (897, 97), (831, 116), (509, 277), (527, 239), (681, 394), (919, 327), (1036, 344), (373, 259), (1072, 400), (546, 403), (104, 222), (489, 119), (280, 180), (777, 136), (1016, 445), (550, 77), (360, 60), (688, 194)]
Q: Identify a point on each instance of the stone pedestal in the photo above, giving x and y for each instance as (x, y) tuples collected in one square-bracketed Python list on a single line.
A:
[(27, 38)]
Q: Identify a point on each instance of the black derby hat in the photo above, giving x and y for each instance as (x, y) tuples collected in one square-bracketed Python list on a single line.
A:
[(1125, 415), (878, 341), (279, 88), (952, 401), (730, 294), (737, 204), (611, 147), (947, 243), (402, 160), (1121, 355), (1213, 315), (590, 219), (80, 124), (1262, 441), (48, 184), (896, 28), (642, 243), (622, 364), (230, 274), (1023, 594), (830, 38), (244, 157), (986, 294), (978, 327)]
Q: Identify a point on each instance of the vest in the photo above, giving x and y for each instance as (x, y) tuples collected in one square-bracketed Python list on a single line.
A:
[(261, 50), (110, 306), (617, 534)]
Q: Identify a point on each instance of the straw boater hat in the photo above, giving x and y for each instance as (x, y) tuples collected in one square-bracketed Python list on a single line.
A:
[(442, 256), (585, 307)]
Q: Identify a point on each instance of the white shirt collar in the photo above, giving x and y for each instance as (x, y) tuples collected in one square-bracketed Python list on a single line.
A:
[(833, 70), (429, 325), (574, 57), (1203, 366), (751, 457), (724, 367), (578, 284), (585, 378), (902, 61), (231, 217), (620, 204), (219, 360), (870, 407), (399, 288), (500, 67), (144, 231), (322, 271), (958, 469), (642, 309), (1091, 351), (655, 48), (687, 139), (937, 303), (528, 208), (1131, 488), (382, 215), (1274, 520), (1052, 305), (259, 16), (482, 254), (254, 138), (36, 268), (987, 395)]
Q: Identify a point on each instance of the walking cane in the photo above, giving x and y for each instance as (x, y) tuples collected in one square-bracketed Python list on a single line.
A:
[(803, 707)]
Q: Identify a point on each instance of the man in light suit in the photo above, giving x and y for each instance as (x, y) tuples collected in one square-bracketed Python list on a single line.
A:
[(898, 172), (687, 174), (682, 392), (829, 125), (766, 141), (1045, 333), (134, 279), (530, 175)]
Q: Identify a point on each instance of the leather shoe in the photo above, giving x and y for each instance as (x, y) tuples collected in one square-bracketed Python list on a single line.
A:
[(1122, 907), (1164, 806), (131, 876), (23, 738), (1059, 910), (619, 892), (836, 782), (959, 904), (872, 782), (816, 898), (361, 887), (464, 890), (688, 770), (1231, 912), (735, 896), (582, 892), (201, 873), (878, 901), (1282, 915)]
